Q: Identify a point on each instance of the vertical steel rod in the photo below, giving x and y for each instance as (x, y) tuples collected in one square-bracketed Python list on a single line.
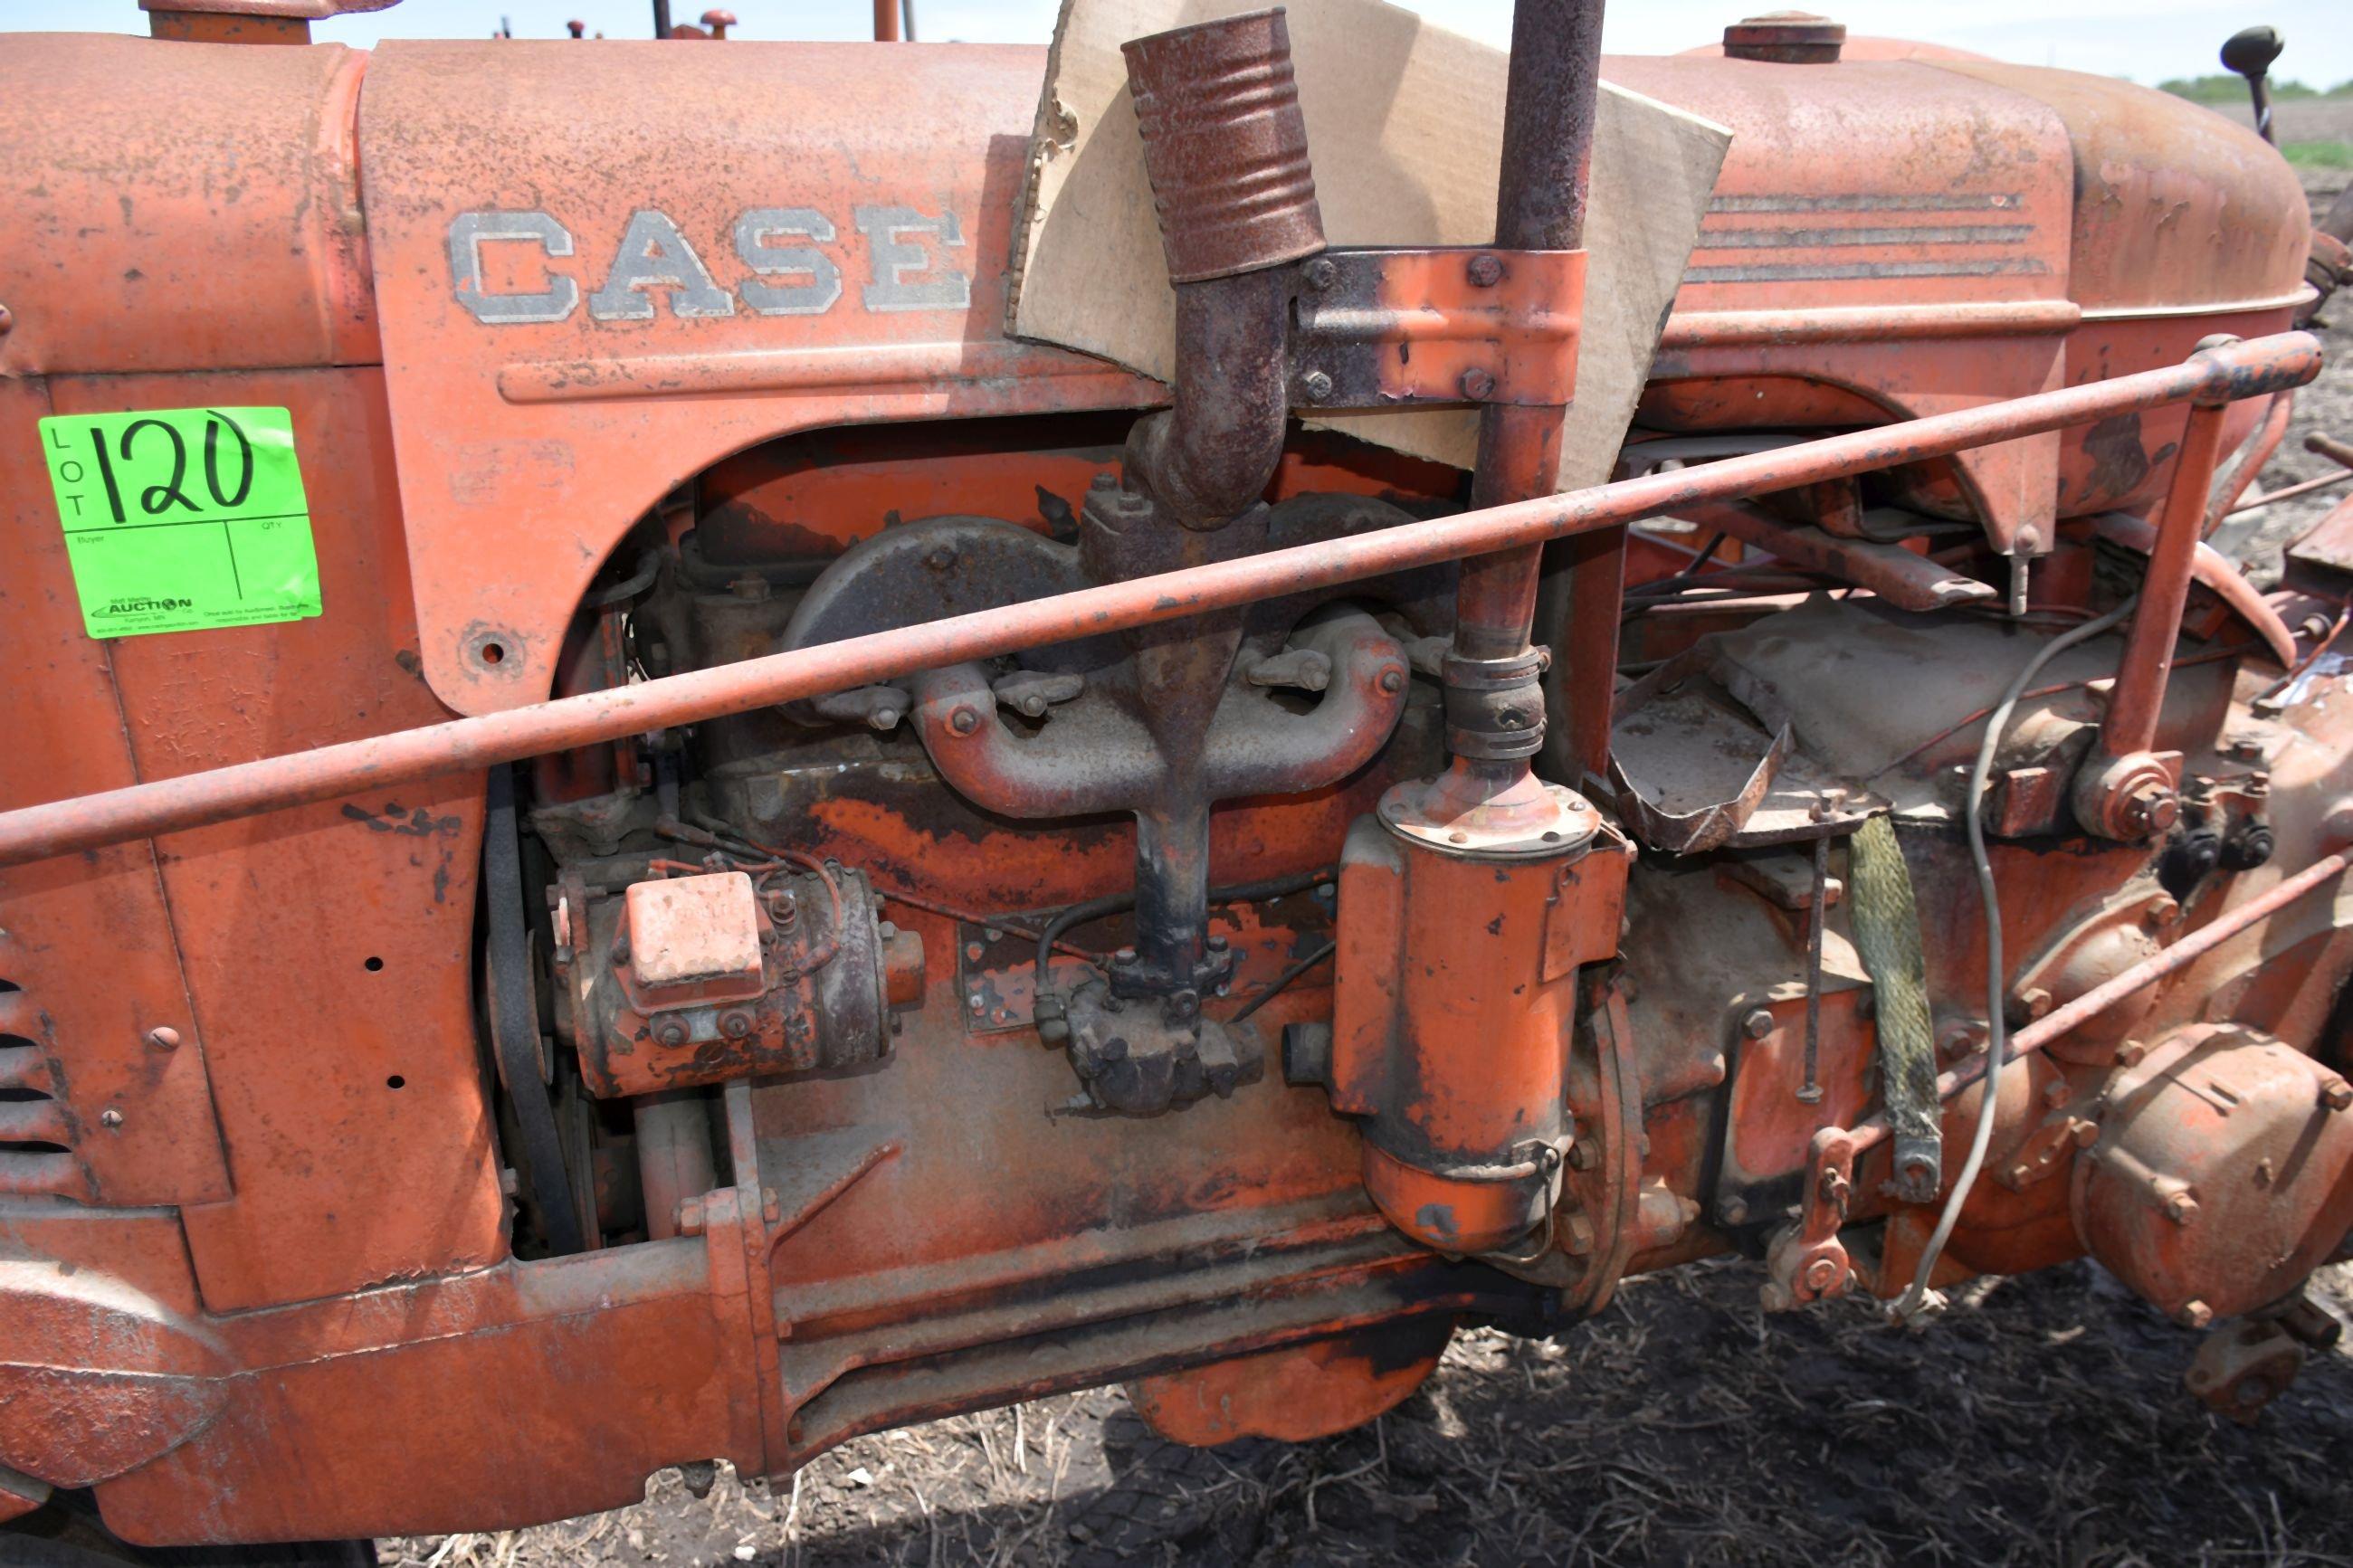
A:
[(1810, 1092), (2130, 725), (1494, 709)]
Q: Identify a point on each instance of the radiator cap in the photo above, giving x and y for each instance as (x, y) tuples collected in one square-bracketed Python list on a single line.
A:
[(1786, 37)]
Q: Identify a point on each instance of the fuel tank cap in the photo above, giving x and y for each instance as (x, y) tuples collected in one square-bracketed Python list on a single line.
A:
[(1786, 37)]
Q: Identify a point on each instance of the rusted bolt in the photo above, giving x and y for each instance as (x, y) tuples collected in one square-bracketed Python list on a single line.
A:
[(751, 589), (964, 721), (1216, 943), (977, 1003), (620, 951), (2335, 1094), (1478, 385), (109, 1117), (1393, 681), (974, 951), (734, 1023), (671, 1033), (1577, 1236), (8, 319), (783, 908), (2034, 1002), (942, 557), (1735, 1211), (2194, 1315), (164, 1038), (1322, 272), (2152, 809), (2181, 1208), (2056, 1092), (2086, 1134), (1486, 271), (690, 1217), (2129, 1054), (1821, 1275), (1583, 1156), (2164, 911), (1315, 385), (1758, 1024)]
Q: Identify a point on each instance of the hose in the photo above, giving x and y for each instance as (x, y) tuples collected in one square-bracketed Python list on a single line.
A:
[(1997, 981)]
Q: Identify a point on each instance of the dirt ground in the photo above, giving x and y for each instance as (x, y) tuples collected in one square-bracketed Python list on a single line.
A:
[(2036, 1421)]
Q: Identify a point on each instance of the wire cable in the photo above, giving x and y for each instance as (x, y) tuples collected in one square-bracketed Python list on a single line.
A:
[(1997, 979)]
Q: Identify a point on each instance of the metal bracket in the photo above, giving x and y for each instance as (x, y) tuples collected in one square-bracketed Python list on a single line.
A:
[(1384, 329)]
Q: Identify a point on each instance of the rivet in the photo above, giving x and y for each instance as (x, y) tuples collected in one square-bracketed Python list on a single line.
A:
[(109, 1117), (1477, 384), (1486, 271), (164, 1038), (964, 721)]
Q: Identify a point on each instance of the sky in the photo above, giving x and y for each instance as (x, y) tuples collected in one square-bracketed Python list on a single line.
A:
[(2146, 40)]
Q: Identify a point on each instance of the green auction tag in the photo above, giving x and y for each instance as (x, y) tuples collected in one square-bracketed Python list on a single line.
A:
[(180, 519)]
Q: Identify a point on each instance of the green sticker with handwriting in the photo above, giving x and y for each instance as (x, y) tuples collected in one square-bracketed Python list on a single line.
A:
[(181, 519)]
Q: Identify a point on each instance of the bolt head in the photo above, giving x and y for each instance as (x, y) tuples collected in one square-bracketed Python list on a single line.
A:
[(1322, 272), (964, 721), (735, 1025), (1316, 385), (1758, 1024), (2337, 1095), (1577, 1236), (1486, 271), (2152, 809), (941, 558), (1478, 385), (1821, 1274), (1735, 1211), (109, 1117), (671, 1033), (164, 1038), (7, 319), (2194, 1315), (1393, 681), (2181, 1208)]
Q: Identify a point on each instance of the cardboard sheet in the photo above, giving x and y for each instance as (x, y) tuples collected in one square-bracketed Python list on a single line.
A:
[(1405, 129)]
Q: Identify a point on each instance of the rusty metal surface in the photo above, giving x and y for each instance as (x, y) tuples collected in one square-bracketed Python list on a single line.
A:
[(1457, 324), (1905, 579), (88, 1047), (503, 425), (216, 203), (1786, 37), (347, 920), (1460, 980), (1225, 145), (2221, 1174), (2242, 370), (936, 1224), (2173, 210)]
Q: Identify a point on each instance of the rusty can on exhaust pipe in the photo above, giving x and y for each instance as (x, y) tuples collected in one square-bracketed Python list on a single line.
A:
[(1225, 145)]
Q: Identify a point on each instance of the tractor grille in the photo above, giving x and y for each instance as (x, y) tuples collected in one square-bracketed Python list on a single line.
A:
[(36, 1131)]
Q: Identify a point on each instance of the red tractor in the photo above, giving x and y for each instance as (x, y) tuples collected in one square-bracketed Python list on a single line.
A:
[(633, 836)]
